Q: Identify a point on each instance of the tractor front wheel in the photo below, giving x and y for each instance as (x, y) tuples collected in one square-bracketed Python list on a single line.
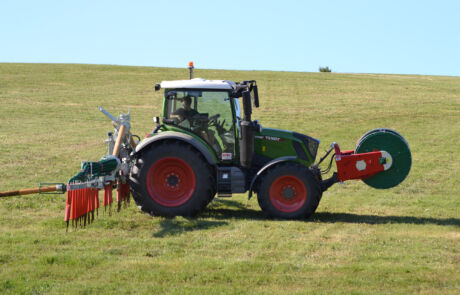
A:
[(172, 179), (289, 191)]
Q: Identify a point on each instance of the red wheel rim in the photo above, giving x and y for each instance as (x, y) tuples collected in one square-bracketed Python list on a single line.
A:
[(171, 182), (288, 193)]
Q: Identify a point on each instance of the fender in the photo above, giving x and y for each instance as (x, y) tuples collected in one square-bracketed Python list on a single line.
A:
[(268, 165), (210, 158)]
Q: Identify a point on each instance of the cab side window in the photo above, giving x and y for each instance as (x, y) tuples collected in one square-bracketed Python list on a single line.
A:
[(208, 114)]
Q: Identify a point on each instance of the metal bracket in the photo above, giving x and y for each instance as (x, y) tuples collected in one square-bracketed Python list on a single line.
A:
[(60, 188)]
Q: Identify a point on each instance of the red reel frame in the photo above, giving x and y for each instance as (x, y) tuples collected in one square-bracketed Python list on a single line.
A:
[(357, 166)]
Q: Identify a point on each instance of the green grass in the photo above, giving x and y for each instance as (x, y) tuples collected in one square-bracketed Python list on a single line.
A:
[(360, 241)]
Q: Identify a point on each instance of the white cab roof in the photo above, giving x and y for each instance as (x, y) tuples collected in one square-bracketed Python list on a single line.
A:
[(199, 83)]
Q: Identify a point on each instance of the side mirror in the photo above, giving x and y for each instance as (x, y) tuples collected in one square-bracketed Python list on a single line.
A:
[(156, 120), (171, 95)]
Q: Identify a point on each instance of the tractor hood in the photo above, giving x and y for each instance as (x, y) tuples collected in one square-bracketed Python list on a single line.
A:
[(275, 143)]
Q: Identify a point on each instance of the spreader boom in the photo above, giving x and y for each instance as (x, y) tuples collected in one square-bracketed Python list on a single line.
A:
[(58, 188)]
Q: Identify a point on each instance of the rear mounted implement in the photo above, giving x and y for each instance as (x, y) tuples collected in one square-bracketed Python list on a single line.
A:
[(107, 174)]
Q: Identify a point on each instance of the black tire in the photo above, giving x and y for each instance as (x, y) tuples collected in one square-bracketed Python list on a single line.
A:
[(172, 179), (289, 191)]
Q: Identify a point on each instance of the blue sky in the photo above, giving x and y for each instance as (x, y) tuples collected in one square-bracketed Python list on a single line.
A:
[(398, 37)]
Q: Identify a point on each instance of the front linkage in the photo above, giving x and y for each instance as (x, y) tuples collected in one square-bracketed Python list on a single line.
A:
[(376, 152)]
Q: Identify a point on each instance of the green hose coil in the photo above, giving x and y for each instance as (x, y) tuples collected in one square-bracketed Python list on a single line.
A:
[(393, 143), (92, 170)]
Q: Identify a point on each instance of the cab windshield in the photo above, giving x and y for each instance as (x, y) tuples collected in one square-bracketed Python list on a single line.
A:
[(208, 114)]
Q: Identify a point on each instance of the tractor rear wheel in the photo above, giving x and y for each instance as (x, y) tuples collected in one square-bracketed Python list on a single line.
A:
[(172, 179), (289, 191)]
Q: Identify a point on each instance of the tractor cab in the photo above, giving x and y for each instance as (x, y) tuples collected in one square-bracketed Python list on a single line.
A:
[(207, 108)]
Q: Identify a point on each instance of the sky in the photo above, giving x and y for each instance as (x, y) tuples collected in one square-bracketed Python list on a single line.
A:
[(391, 37)]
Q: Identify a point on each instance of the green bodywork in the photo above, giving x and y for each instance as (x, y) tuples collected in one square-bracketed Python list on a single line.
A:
[(269, 144), (276, 143), (196, 137)]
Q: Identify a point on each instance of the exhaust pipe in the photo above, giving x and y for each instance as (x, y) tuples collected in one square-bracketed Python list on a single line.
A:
[(246, 132)]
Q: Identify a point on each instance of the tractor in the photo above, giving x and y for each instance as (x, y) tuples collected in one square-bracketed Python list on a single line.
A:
[(206, 145)]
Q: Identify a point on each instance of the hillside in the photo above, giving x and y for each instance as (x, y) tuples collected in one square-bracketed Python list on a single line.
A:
[(361, 240)]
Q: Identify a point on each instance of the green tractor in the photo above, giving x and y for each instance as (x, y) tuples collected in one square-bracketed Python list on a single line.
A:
[(205, 146)]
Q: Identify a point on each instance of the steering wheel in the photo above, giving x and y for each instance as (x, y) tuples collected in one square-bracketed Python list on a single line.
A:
[(198, 122), (212, 121)]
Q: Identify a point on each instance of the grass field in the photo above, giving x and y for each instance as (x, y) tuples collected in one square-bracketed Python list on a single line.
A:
[(360, 241)]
